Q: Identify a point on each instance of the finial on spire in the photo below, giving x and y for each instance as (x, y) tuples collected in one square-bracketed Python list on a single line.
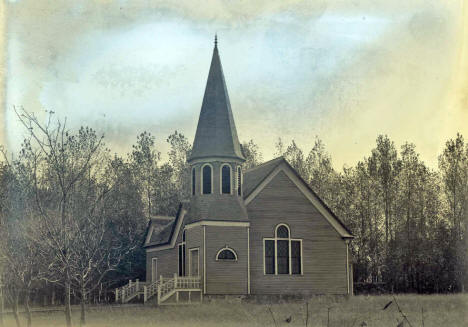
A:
[(216, 40)]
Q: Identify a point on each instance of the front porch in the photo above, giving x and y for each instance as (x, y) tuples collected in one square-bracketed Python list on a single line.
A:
[(165, 289)]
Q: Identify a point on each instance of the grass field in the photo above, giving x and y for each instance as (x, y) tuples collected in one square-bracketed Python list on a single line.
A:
[(438, 310)]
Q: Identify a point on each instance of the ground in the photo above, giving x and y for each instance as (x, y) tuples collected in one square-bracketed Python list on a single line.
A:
[(437, 310)]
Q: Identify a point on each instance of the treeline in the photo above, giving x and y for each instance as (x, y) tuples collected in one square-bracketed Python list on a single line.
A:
[(73, 215), (409, 221)]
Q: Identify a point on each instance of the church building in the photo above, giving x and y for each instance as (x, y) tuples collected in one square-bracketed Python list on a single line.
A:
[(259, 231)]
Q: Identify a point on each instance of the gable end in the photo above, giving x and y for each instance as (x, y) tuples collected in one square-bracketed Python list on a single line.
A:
[(309, 194)]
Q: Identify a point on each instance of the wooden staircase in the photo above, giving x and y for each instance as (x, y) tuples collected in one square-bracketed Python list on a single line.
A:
[(164, 288), (128, 292)]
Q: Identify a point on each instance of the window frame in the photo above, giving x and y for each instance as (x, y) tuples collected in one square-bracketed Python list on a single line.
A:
[(194, 181), (184, 256), (154, 272), (221, 178), (202, 178), (228, 249), (190, 261), (275, 240), (239, 181), (179, 270)]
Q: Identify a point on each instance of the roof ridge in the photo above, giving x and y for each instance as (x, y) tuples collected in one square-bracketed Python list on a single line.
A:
[(265, 163)]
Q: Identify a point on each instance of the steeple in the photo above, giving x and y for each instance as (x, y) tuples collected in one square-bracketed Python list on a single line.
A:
[(216, 134)]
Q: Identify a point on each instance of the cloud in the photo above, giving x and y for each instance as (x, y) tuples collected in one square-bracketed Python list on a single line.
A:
[(343, 70)]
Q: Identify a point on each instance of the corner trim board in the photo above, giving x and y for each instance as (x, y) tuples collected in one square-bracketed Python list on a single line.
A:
[(248, 260), (204, 259)]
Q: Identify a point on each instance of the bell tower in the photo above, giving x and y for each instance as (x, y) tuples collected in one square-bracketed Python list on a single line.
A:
[(216, 159)]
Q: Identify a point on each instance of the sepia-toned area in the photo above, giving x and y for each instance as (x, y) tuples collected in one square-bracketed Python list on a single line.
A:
[(427, 310), (345, 71), (314, 172)]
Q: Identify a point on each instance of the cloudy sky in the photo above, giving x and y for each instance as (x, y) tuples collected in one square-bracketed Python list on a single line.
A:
[(342, 70)]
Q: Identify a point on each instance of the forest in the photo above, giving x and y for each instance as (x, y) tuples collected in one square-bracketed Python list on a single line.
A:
[(73, 213)]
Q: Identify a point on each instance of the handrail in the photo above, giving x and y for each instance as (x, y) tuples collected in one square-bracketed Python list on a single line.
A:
[(168, 286), (150, 290), (163, 287), (126, 292)]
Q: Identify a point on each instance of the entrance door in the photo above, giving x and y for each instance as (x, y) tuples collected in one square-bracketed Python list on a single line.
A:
[(194, 262), (154, 269)]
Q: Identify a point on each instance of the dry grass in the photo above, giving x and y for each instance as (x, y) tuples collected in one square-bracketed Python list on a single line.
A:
[(439, 310)]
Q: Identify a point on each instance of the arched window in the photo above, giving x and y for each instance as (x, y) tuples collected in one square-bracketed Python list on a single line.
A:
[(226, 179), (282, 254), (207, 179), (282, 231), (193, 181), (239, 181), (227, 254)]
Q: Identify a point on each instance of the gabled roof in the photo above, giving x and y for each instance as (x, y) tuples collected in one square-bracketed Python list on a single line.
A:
[(254, 176), (160, 230), (257, 178), (216, 207), (216, 134)]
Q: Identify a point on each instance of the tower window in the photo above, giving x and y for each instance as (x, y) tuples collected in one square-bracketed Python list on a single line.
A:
[(226, 179), (207, 179), (193, 181), (239, 181)]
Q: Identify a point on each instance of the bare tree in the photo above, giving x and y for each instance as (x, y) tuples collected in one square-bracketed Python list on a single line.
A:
[(21, 267), (95, 249), (60, 163)]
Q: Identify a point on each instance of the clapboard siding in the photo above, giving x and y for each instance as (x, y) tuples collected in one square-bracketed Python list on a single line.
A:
[(226, 277), (324, 252), (167, 260)]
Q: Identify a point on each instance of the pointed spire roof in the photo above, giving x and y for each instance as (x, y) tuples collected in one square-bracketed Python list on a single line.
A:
[(216, 134)]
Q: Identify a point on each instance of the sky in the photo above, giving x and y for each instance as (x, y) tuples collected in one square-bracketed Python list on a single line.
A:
[(343, 71)]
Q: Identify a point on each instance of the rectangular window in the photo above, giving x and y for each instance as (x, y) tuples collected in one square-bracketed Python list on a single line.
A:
[(283, 256), (296, 257), (269, 257), (181, 259)]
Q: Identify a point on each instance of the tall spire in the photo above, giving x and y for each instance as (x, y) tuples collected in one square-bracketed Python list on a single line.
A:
[(216, 134)]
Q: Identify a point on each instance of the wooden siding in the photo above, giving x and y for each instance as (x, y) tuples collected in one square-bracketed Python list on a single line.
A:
[(226, 277), (167, 259), (323, 252), (167, 262)]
